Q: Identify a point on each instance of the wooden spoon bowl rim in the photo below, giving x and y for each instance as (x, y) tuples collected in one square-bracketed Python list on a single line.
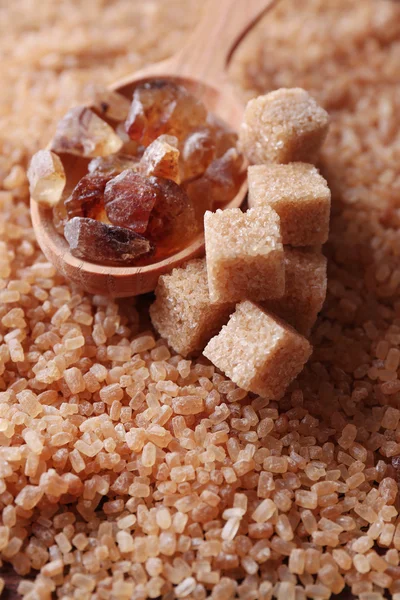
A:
[(54, 245)]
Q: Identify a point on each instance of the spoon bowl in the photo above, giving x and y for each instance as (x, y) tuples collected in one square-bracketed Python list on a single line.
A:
[(220, 29)]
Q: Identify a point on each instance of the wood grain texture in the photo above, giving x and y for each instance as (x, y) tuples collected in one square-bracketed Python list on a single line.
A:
[(201, 67)]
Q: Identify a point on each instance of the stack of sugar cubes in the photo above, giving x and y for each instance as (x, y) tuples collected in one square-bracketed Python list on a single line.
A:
[(264, 269)]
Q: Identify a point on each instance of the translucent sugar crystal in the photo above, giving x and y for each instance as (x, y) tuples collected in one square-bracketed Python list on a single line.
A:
[(129, 199), (173, 220), (200, 193), (305, 288), (60, 217), (87, 198), (113, 164), (46, 178), (158, 208), (283, 126), (109, 104), (161, 158), (130, 147), (244, 251), (160, 106), (182, 312), (98, 242), (224, 137), (219, 184), (225, 176), (197, 152), (258, 351), (83, 133), (300, 196)]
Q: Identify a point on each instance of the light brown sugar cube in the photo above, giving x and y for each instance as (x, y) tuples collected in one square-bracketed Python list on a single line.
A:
[(244, 254), (182, 312), (305, 289), (283, 126), (300, 196), (258, 351)]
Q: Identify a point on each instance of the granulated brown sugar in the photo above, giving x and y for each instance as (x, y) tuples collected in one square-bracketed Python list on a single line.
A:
[(115, 481)]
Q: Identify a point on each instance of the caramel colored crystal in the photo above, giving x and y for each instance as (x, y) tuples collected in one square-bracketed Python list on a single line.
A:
[(110, 104), (129, 199), (200, 193), (155, 207), (225, 176), (83, 133), (173, 221), (224, 136), (130, 147), (160, 106), (98, 242), (198, 150), (46, 178), (87, 198), (219, 184), (113, 164), (161, 158)]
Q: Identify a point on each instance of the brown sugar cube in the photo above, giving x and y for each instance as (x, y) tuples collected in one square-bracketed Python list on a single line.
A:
[(300, 196), (258, 351), (283, 126), (244, 254), (305, 289), (182, 312)]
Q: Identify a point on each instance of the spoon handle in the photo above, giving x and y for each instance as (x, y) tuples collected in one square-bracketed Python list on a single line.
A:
[(208, 51)]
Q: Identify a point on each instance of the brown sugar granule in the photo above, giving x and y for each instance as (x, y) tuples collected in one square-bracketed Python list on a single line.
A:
[(284, 126), (258, 352), (300, 196), (182, 312), (305, 288), (244, 255)]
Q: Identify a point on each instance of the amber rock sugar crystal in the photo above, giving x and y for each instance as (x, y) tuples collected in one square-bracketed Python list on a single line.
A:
[(161, 158), (286, 125), (244, 251), (83, 133), (182, 312), (197, 151), (87, 198), (129, 199), (155, 207), (218, 185), (108, 103), (46, 178), (300, 196), (106, 244), (113, 164), (258, 351), (161, 106)]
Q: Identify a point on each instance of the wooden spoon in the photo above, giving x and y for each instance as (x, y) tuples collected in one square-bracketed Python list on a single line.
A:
[(201, 67)]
